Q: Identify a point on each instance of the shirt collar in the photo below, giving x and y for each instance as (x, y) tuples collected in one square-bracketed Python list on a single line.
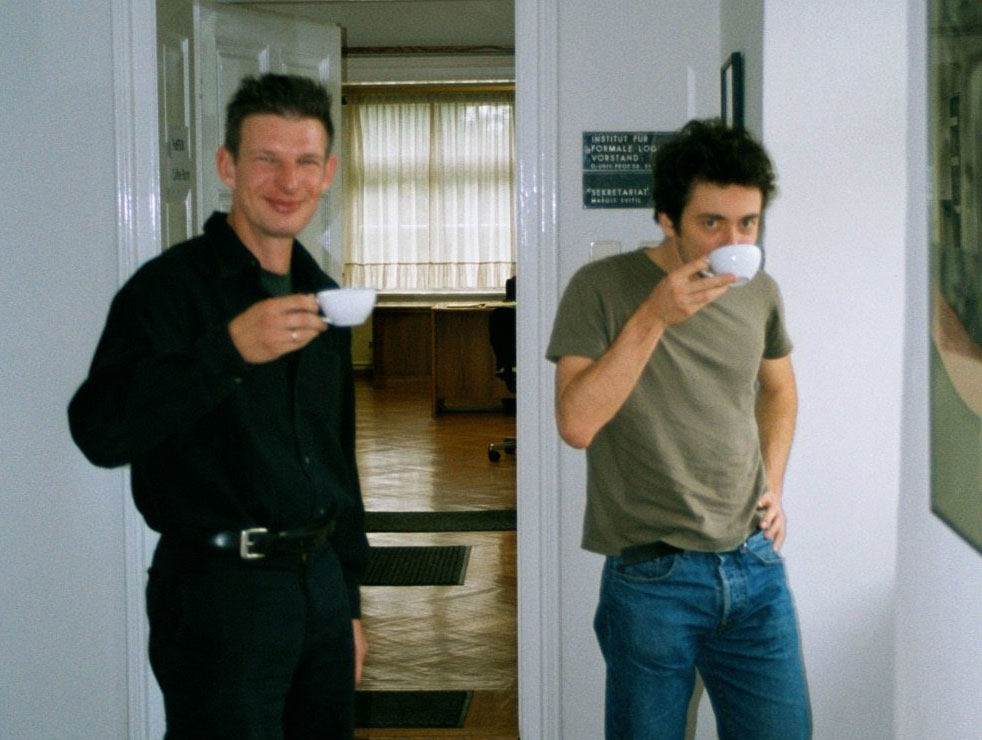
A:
[(234, 256)]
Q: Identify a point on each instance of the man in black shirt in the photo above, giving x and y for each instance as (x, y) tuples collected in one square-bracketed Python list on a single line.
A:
[(220, 384)]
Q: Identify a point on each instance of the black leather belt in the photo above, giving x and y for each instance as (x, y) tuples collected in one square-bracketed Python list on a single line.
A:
[(256, 543), (649, 551)]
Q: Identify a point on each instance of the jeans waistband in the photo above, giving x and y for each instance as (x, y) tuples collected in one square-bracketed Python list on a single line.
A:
[(648, 551)]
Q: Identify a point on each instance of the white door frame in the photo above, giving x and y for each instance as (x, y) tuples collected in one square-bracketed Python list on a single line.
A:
[(537, 134), (138, 229), (134, 31)]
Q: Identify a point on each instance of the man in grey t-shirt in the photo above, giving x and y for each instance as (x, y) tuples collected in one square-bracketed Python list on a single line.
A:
[(680, 387)]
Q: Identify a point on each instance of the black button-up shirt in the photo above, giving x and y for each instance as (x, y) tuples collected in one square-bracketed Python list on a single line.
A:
[(215, 443)]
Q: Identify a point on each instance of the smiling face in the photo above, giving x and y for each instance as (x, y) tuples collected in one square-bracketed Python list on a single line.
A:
[(281, 170), (714, 216)]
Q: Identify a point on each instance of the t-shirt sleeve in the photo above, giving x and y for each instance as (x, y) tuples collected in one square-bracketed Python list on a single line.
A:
[(777, 342), (579, 327)]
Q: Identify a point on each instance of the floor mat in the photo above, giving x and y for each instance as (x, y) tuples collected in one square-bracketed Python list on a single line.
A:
[(411, 708), (492, 520), (417, 566)]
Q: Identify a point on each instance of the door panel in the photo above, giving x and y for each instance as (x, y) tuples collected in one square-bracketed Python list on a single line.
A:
[(235, 42)]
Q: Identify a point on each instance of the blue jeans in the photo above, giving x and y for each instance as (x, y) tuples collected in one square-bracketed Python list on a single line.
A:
[(730, 615)]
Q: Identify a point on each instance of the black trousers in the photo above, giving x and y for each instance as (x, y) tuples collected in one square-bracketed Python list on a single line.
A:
[(251, 650)]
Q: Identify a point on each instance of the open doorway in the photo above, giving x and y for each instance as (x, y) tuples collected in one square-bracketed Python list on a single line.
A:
[(451, 647)]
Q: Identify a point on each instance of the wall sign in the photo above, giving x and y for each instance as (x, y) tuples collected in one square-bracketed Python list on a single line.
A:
[(617, 168), (178, 168)]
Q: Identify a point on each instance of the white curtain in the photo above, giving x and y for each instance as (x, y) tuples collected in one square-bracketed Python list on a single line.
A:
[(429, 191)]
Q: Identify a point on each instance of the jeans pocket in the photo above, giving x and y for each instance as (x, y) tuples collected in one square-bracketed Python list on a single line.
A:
[(647, 571), (763, 550)]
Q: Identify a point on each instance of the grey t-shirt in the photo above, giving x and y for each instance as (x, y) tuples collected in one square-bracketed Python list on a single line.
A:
[(680, 461)]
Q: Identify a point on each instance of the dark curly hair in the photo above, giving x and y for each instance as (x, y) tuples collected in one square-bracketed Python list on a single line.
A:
[(291, 96), (708, 151)]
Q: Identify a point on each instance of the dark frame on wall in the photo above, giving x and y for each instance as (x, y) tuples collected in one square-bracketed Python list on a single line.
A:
[(731, 91)]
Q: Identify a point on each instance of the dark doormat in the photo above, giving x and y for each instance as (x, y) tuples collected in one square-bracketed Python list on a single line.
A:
[(411, 708), (492, 520), (416, 566)]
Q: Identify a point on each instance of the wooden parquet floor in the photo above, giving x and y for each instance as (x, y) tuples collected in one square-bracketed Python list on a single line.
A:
[(440, 637)]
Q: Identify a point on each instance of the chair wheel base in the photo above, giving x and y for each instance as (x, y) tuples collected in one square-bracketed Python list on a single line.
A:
[(508, 445)]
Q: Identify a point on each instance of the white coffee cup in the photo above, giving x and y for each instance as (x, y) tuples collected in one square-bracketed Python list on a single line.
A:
[(742, 260), (346, 306)]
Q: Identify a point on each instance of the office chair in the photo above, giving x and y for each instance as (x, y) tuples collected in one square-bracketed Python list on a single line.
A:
[(501, 332)]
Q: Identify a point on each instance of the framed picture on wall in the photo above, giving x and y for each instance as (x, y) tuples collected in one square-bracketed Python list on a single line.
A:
[(955, 132), (731, 91)]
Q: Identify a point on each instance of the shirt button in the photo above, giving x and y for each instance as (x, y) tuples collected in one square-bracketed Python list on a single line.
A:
[(306, 459)]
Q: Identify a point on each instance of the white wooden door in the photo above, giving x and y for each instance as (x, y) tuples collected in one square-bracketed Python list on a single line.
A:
[(234, 42)]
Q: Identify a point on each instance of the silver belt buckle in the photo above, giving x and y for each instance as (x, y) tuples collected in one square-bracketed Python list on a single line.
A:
[(246, 543)]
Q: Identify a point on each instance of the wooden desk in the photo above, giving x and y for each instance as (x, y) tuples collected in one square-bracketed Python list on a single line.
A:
[(463, 365), (447, 345), (401, 343)]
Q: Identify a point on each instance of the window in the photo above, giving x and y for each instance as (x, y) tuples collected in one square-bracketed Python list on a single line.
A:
[(429, 191)]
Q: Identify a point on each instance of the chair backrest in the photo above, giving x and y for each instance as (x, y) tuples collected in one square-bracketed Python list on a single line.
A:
[(501, 333)]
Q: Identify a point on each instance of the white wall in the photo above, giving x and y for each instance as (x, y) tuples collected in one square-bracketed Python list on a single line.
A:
[(834, 118), (742, 29), (427, 68), (831, 106), (939, 614), (648, 66), (62, 621)]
